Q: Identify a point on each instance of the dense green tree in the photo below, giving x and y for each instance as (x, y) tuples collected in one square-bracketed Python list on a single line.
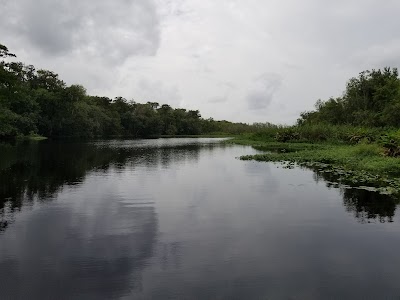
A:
[(371, 99), (37, 101), (4, 52)]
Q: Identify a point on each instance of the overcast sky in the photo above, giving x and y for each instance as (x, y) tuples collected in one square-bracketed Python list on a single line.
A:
[(249, 61)]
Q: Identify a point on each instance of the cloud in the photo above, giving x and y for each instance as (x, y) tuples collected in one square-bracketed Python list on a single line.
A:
[(111, 30), (378, 55), (156, 91), (200, 52), (170, 9), (263, 90), (216, 100), (227, 84)]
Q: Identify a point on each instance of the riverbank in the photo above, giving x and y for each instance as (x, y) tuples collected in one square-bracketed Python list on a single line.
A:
[(361, 164), (35, 137), (30, 137)]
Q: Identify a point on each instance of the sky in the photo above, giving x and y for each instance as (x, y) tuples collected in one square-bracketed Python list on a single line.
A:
[(243, 61)]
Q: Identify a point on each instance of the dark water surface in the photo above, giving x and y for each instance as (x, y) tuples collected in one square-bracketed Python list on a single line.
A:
[(185, 219)]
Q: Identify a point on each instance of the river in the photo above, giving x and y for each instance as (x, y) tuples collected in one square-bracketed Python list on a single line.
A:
[(186, 219)]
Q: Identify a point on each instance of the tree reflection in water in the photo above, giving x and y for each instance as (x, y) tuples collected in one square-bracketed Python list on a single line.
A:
[(32, 172), (365, 205), (72, 252)]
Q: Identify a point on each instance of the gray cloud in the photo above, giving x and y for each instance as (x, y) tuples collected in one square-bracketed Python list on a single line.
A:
[(378, 56), (262, 91), (194, 53), (227, 84), (156, 91), (218, 100), (112, 30), (173, 8)]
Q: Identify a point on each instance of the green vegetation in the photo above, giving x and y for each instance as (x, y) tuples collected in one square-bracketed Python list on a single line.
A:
[(36, 102), (32, 137), (362, 164), (372, 100), (356, 137), (362, 157)]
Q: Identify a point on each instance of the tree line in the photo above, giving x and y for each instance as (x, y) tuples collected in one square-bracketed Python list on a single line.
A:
[(38, 102), (372, 100)]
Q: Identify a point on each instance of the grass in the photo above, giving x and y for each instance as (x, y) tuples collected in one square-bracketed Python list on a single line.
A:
[(210, 135), (366, 157), (321, 133), (37, 138), (363, 163), (32, 137)]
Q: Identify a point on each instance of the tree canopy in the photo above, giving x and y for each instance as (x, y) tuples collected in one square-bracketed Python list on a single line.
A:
[(372, 99), (39, 102)]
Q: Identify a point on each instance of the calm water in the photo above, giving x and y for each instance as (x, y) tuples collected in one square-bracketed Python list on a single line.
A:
[(183, 218)]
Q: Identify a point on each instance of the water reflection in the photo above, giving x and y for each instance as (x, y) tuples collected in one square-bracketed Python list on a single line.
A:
[(70, 254), (96, 246), (32, 172), (365, 205), (175, 219)]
